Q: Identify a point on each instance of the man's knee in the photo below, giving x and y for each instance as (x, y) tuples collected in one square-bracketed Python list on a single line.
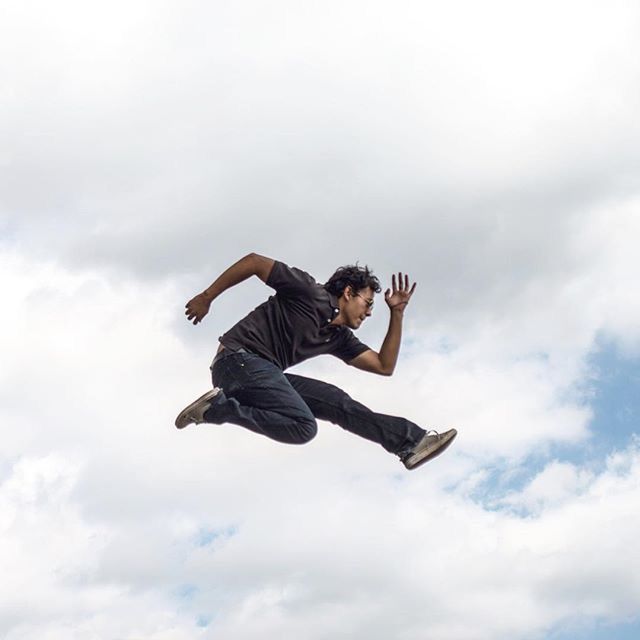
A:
[(307, 429)]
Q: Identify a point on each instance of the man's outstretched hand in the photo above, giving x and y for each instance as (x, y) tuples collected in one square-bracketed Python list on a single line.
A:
[(197, 308), (399, 295)]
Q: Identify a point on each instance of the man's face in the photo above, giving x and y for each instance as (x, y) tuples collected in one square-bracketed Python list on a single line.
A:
[(358, 307)]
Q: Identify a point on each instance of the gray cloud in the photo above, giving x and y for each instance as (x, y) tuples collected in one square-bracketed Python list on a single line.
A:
[(323, 134)]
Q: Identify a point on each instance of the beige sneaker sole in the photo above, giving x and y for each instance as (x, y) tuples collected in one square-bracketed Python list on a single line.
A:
[(193, 412), (435, 448)]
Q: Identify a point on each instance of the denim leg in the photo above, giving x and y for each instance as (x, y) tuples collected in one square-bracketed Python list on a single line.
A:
[(328, 402), (256, 395)]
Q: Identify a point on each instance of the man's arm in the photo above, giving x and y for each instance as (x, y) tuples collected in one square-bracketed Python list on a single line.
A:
[(251, 265), (384, 363)]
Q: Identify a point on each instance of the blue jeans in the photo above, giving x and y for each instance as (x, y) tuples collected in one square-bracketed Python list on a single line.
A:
[(257, 395)]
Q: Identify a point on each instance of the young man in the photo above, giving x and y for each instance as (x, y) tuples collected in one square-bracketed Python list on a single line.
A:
[(305, 319)]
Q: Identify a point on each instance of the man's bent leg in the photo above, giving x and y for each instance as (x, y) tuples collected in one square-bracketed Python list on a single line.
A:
[(256, 395), (328, 402)]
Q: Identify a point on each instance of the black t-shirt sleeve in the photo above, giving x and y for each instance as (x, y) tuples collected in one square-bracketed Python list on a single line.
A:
[(349, 347), (290, 281)]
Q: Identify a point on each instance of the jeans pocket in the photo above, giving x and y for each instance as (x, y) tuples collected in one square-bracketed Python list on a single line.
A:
[(220, 374), (230, 373)]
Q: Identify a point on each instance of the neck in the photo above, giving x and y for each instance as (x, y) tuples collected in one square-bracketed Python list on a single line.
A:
[(340, 319)]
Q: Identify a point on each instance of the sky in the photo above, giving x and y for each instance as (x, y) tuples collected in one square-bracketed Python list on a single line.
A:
[(489, 150)]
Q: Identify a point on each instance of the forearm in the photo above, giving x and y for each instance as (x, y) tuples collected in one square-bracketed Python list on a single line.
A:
[(391, 344), (235, 274)]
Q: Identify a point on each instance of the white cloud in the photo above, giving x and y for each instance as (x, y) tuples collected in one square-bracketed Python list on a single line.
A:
[(552, 487), (410, 560)]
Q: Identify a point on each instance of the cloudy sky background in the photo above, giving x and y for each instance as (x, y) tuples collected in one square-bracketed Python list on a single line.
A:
[(489, 150)]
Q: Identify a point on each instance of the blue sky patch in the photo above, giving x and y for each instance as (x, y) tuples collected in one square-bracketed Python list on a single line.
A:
[(205, 537), (203, 621), (186, 591), (616, 401), (612, 392), (599, 631)]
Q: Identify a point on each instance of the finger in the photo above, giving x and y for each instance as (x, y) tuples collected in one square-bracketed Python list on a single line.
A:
[(406, 282), (393, 282), (400, 280), (415, 284), (387, 293)]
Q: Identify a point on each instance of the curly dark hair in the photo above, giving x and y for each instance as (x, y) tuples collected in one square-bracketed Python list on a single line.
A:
[(353, 276)]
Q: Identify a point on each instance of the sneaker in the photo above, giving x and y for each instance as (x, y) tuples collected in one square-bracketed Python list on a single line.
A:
[(431, 445), (194, 413)]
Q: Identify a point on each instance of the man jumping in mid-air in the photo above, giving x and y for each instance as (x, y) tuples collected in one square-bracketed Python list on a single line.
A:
[(305, 319)]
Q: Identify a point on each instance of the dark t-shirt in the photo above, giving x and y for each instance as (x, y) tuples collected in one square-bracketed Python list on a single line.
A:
[(295, 324)]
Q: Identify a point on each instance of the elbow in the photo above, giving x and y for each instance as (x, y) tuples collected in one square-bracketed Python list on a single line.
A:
[(260, 265), (385, 369), (255, 258), (387, 372), (252, 263)]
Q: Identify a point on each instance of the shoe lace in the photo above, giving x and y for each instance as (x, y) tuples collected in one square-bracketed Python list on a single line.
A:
[(406, 454)]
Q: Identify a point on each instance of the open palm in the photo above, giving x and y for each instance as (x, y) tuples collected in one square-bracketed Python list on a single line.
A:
[(400, 293)]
